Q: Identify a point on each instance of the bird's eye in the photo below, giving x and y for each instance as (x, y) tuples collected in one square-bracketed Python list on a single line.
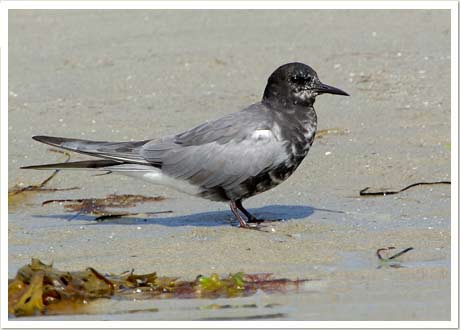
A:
[(301, 80)]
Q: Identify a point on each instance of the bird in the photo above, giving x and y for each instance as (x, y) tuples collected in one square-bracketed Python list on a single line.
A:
[(228, 159)]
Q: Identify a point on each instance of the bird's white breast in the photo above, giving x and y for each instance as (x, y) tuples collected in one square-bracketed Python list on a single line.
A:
[(156, 176)]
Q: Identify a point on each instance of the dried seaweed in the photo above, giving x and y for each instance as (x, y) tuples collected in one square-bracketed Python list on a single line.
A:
[(41, 289), (331, 131), (366, 192), (18, 194), (99, 206)]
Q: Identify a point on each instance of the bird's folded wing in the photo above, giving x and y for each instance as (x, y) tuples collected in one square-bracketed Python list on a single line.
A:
[(232, 127), (220, 153)]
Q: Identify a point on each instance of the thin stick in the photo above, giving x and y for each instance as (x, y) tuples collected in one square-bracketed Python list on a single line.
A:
[(364, 191)]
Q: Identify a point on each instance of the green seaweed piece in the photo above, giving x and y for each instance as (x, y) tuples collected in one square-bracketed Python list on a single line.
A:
[(31, 302), (232, 286)]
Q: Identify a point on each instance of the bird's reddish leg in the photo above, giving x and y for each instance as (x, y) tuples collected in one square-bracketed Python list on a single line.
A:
[(251, 218), (234, 209)]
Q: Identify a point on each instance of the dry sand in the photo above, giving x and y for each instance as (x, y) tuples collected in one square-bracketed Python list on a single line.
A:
[(121, 75)]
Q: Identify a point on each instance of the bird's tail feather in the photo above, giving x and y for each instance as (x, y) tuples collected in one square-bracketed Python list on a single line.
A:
[(103, 165), (121, 151)]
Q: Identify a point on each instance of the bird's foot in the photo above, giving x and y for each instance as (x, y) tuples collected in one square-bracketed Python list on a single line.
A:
[(253, 226), (251, 222), (259, 224)]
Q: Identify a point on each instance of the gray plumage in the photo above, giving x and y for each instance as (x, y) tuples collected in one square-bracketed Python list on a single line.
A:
[(228, 159)]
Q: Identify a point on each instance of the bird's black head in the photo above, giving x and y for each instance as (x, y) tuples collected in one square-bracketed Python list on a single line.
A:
[(296, 84)]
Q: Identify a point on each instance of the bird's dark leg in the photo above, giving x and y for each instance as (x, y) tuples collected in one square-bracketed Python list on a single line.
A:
[(234, 209), (251, 218)]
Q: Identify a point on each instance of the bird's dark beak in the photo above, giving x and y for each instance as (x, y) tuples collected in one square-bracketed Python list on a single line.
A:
[(326, 89)]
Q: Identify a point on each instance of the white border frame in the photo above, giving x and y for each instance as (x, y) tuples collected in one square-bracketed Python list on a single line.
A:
[(6, 5)]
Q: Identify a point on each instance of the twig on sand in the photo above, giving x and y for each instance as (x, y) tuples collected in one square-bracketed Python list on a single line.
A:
[(40, 187), (331, 131), (127, 214), (17, 195), (365, 192), (379, 251), (390, 261)]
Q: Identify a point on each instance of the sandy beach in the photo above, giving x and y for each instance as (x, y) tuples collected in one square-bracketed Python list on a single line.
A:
[(134, 75)]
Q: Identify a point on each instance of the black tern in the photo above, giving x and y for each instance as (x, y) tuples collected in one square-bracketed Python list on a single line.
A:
[(228, 159)]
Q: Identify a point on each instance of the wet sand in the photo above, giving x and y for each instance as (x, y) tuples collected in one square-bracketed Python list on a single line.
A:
[(122, 75)]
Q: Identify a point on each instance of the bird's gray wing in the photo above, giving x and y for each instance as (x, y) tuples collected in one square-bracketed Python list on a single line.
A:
[(230, 127), (221, 153)]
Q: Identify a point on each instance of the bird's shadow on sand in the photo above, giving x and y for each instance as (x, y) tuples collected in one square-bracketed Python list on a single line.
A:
[(205, 219)]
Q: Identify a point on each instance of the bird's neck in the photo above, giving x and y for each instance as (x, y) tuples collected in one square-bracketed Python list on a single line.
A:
[(302, 123), (302, 114), (304, 118), (301, 120)]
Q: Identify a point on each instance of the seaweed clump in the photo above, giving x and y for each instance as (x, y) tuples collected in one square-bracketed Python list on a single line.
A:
[(98, 206), (41, 289)]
